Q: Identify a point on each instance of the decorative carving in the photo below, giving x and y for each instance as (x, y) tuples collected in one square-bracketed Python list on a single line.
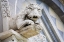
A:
[(5, 8), (27, 21), (29, 16)]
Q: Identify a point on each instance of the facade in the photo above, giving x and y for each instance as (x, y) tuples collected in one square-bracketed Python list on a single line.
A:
[(51, 21)]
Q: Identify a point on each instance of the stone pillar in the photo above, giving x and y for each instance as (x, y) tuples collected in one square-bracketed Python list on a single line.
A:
[(1, 23)]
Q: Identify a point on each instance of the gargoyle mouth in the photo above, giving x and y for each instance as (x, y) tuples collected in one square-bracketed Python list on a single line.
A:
[(35, 17)]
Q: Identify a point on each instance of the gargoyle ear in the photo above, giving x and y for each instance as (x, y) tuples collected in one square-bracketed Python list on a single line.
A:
[(29, 5)]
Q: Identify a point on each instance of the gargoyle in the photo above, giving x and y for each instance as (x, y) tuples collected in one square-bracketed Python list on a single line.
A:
[(29, 16)]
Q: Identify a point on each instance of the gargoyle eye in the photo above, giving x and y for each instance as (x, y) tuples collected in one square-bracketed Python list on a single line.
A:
[(38, 9), (29, 8)]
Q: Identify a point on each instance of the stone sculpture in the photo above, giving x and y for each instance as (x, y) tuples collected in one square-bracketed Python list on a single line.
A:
[(26, 23), (29, 16)]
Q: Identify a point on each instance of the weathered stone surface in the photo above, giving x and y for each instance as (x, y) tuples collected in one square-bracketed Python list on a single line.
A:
[(37, 38), (10, 39), (29, 31), (5, 34), (8, 33)]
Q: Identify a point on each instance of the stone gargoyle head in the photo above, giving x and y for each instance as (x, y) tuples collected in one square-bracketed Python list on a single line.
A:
[(33, 12)]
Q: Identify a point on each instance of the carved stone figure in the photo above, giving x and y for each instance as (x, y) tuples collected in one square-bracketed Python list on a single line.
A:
[(23, 25), (27, 17)]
